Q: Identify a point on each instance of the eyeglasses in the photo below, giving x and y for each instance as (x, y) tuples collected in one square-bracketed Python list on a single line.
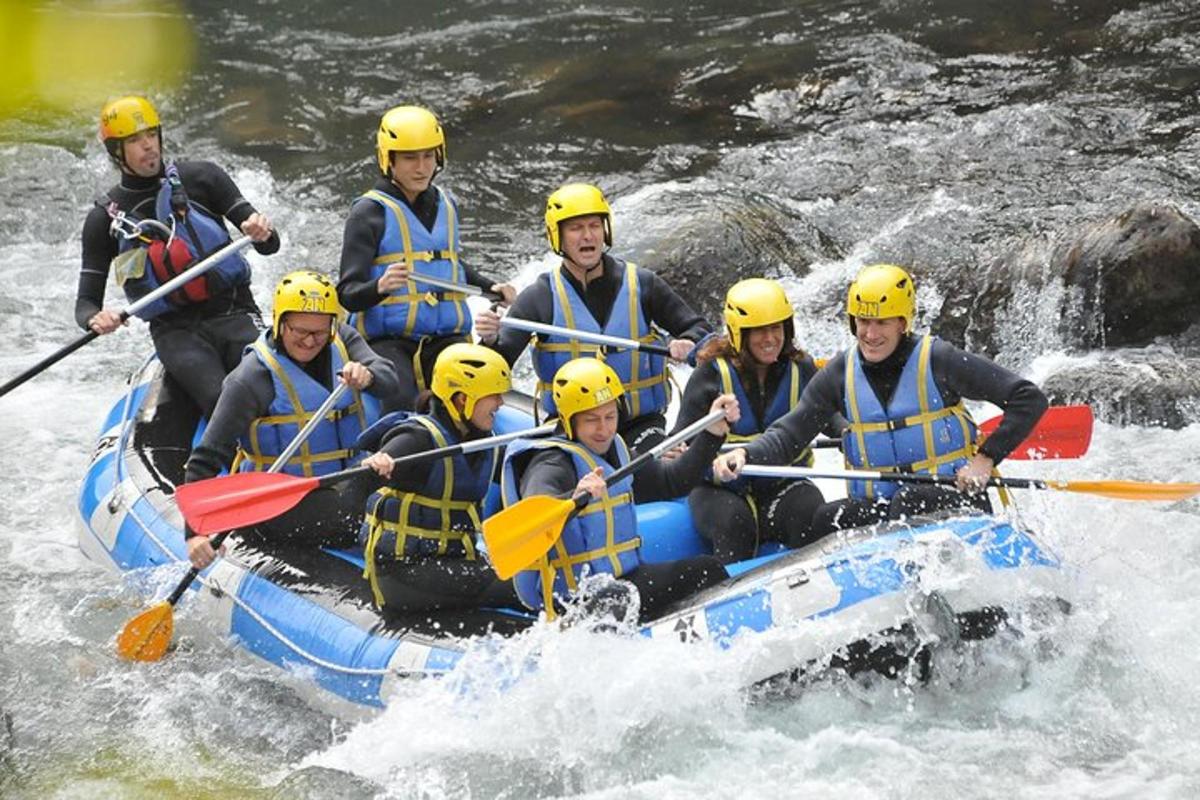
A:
[(303, 334)]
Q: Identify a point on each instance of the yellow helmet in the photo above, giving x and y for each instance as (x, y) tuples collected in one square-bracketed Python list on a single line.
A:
[(576, 200), (472, 369), (124, 117), (753, 303), (581, 385), (306, 291), (406, 129), (882, 291)]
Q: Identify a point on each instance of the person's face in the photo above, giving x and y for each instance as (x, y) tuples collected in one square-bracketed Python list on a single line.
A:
[(878, 338), (413, 170), (596, 428), (305, 334), (582, 240), (484, 415), (143, 153), (765, 343)]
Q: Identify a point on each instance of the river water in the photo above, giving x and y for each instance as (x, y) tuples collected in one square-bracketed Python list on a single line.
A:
[(920, 132)]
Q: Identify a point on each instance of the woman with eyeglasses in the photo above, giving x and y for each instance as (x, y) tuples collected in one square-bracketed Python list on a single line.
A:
[(282, 379)]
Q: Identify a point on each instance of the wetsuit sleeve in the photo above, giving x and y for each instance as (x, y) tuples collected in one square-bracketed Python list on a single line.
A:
[(666, 309), (666, 480), (246, 395), (211, 187), (787, 437), (702, 388), (99, 249), (384, 381), (976, 378), (476, 278), (405, 440), (535, 304), (356, 288), (551, 472)]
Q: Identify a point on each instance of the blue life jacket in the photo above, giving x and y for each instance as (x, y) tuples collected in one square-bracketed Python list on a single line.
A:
[(602, 538), (152, 262), (440, 520), (915, 433), (416, 310), (330, 447), (643, 375), (749, 427)]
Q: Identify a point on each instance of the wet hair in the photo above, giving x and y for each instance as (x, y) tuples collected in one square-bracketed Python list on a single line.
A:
[(721, 347)]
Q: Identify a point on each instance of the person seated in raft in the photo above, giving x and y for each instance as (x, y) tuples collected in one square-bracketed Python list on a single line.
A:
[(404, 225), (756, 361), (418, 536), (595, 292), (603, 537), (283, 377), (902, 396)]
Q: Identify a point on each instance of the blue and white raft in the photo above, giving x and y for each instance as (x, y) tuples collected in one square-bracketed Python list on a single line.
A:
[(855, 600)]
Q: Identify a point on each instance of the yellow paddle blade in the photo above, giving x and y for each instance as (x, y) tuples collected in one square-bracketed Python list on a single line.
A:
[(1130, 490), (522, 533), (146, 636)]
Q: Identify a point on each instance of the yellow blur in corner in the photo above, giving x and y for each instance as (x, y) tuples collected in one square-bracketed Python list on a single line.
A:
[(75, 54)]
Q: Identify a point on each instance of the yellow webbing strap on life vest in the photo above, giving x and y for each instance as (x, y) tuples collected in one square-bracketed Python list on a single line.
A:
[(410, 295), (299, 417), (726, 373), (444, 534)]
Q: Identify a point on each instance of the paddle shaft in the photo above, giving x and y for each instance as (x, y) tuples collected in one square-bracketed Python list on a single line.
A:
[(464, 288), (584, 336), (179, 280), (276, 466), (753, 471)]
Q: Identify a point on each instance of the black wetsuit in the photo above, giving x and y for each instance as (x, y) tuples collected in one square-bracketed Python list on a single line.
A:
[(551, 471), (958, 375), (201, 342), (661, 307), (432, 583), (358, 290), (782, 510), (326, 516)]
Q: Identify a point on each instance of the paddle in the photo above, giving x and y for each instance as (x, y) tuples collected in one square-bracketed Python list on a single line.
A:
[(1121, 490), (235, 501), (195, 271), (1062, 432), (584, 336), (464, 288), (147, 636), (523, 532)]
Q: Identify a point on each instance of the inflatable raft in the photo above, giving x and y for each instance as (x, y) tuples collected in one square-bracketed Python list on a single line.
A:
[(858, 599)]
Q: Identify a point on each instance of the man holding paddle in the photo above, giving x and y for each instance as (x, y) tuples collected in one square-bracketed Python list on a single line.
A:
[(159, 220), (288, 373), (902, 396), (402, 228), (593, 292)]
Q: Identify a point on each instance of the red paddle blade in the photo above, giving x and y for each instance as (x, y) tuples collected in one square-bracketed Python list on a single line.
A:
[(1062, 432), (235, 501)]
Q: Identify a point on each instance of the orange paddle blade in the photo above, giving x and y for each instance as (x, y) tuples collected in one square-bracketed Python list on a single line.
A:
[(523, 532), (1130, 490), (235, 501), (1062, 432), (146, 636)]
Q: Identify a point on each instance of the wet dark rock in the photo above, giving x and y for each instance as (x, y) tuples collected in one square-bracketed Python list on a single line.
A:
[(705, 241), (1155, 386)]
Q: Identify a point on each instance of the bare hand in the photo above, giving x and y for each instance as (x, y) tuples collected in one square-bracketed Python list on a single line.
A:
[(592, 483), (675, 452), (487, 326), (257, 227), (382, 463), (974, 475), (729, 404), (393, 278), (103, 322), (200, 551), (356, 376), (507, 292), (680, 348), (727, 466)]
